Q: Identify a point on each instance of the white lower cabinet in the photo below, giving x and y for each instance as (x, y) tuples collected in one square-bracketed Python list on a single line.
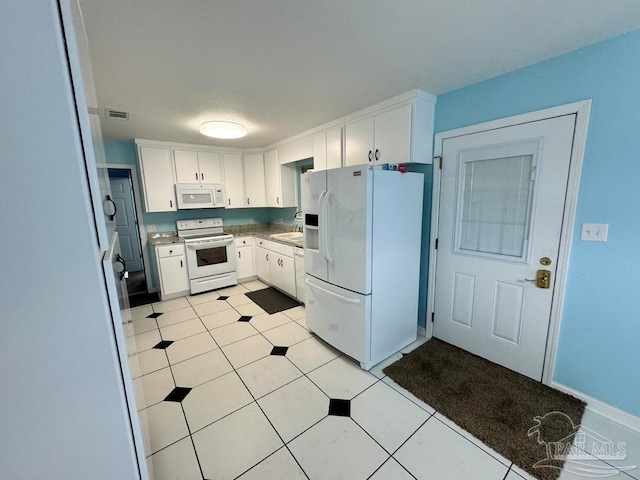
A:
[(282, 268), (172, 271), (262, 263), (275, 265), (244, 260)]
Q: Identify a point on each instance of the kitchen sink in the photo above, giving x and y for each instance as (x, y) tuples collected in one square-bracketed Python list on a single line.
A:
[(293, 237)]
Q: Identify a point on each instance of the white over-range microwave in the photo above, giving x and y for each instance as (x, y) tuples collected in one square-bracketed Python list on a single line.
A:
[(200, 195)]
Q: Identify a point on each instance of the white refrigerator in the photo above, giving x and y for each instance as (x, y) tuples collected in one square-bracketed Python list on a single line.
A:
[(362, 238)]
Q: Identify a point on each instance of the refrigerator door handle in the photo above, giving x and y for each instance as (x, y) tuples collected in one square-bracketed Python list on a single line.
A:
[(341, 297), (321, 224), (327, 200)]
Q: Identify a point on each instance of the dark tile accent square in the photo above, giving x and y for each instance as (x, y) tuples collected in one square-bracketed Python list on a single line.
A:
[(244, 318), (154, 315), (222, 297), (282, 351), (339, 407), (163, 344), (177, 394)]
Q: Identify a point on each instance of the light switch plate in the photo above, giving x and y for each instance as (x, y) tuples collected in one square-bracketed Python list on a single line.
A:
[(151, 228), (594, 232)]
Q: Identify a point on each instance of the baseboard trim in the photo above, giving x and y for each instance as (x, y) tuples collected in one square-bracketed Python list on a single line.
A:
[(603, 409)]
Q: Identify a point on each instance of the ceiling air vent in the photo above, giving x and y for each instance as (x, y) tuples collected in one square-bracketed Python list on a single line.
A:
[(118, 114)]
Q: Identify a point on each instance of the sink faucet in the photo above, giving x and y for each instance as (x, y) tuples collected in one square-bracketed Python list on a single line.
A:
[(297, 217)]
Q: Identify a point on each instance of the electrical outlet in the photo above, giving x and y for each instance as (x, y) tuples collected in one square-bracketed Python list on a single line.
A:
[(151, 228), (252, 220), (594, 232)]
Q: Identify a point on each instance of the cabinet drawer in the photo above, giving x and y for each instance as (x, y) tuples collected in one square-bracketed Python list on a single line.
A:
[(243, 241), (261, 242), (281, 249), (173, 250)]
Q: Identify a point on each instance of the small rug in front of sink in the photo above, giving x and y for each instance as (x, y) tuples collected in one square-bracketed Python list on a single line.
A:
[(271, 300)]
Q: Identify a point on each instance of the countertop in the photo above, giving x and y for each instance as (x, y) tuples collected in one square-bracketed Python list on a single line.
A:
[(164, 238), (265, 231), (261, 230)]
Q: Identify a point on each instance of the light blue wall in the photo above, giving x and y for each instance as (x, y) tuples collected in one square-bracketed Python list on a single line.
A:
[(598, 351)]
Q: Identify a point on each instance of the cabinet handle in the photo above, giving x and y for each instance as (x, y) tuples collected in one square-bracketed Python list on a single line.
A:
[(180, 263), (229, 201), (248, 202), (171, 203), (202, 176), (267, 257), (377, 154), (370, 155), (278, 200), (196, 175), (239, 254)]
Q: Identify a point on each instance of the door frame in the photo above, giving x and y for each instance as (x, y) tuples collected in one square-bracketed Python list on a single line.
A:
[(142, 231), (582, 111)]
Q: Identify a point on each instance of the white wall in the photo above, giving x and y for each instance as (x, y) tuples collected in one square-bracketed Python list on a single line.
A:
[(62, 414)]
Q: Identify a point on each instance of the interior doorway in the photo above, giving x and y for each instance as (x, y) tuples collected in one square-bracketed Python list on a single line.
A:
[(130, 230)]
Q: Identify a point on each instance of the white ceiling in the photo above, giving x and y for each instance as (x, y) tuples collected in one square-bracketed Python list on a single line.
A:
[(283, 66)]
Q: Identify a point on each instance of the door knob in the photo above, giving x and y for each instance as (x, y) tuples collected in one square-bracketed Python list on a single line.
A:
[(543, 279)]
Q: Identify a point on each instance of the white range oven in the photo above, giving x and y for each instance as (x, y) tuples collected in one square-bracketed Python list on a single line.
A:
[(211, 254)]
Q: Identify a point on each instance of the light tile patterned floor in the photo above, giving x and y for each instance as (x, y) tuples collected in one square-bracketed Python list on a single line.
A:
[(223, 396)]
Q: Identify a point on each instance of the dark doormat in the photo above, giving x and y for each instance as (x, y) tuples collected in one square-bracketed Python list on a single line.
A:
[(513, 414), (143, 298), (271, 300)]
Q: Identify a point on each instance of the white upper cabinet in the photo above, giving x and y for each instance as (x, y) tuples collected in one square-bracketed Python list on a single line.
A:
[(234, 180), (327, 149), (280, 181), (254, 182), (244, 180), (382, 138), (197, 166), (402, 134), (299, 149), (157, 178)]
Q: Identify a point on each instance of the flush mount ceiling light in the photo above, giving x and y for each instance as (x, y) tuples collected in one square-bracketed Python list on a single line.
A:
[(218, 129)]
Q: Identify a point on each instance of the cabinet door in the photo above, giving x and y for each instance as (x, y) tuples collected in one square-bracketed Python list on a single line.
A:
[(262, 264), (186, 166), (393, 136), (254, 180), (157, 179), (288, 275), (272, 179), (275, 271), (244, 262), (359, 142), (173, 275), (334, 148), (210, 167), (320, 151), (233, 180)]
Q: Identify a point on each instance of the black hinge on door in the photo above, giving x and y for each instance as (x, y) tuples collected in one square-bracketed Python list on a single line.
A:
[(436, 243), (433, 317)]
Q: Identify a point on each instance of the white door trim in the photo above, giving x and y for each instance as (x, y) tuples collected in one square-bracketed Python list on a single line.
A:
[(142, 231), (582, 111)]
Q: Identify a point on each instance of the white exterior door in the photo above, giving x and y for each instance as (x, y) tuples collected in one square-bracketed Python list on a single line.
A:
[(502, 195)]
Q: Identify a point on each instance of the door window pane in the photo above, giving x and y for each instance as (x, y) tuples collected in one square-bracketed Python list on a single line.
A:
[(496, 206)]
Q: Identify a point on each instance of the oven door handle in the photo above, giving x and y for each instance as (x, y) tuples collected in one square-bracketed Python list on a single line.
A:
[(213, 243)]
